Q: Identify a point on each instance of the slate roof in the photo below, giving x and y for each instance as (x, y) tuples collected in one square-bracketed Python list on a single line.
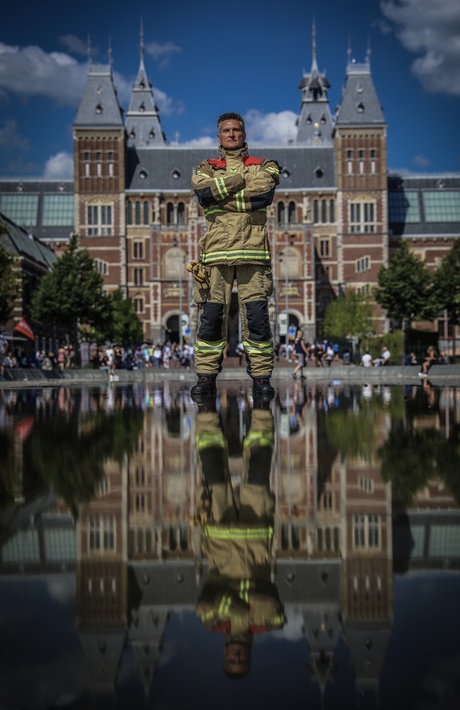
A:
[(19, 242), (99, 107), (359, 104), (170, 169)]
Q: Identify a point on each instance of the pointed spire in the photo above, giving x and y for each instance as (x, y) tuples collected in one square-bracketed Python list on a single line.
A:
[(315, 122), (142, 118)]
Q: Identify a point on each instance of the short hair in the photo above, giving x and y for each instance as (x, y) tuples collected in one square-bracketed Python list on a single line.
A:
[(231, 116)]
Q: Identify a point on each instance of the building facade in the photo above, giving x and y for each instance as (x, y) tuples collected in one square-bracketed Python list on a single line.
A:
[(336, 216)]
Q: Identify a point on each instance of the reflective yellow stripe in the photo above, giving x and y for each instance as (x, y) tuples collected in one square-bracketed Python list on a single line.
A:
[(203, 441), (221, 187), (269, 169), (225, 604), (202, 347), (259, 438), (248, 534), (208, 615), (244, 590), (240, 201), (199, 172), (246, 254), (258, 348), (277, 620), (213, 210)]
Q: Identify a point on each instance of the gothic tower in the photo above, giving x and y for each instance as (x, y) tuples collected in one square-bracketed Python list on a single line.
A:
[(99, 174), (360, 142)]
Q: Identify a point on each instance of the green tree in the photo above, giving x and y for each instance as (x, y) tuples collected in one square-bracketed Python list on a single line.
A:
[(9, 282), (447, 286), (125, 326), (72, 292), (349, 316), (406, 288)]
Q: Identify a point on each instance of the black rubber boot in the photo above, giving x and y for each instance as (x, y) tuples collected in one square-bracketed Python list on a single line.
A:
[(205, 387), (262, 388)]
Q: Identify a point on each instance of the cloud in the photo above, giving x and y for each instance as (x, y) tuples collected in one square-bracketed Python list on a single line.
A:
[(73, 44), (11, 139), (29, 71), (274, 128), (432, 31), (421, 161), (162, 52), (59, 166)]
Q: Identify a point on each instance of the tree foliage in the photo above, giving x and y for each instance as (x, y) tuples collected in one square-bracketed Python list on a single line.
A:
[(447, 284), (349, 316), (9, 283), (72, 292), (124, 327), (406, 288)]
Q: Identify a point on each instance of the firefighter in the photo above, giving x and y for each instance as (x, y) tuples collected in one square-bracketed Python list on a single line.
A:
[(234, 192), (236, 523)]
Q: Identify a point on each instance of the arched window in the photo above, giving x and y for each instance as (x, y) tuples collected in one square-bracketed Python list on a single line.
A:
[(170, 213), (292, 213), (315, 212), (137, 212), (146, 213), (280, 210), (129, 212), (181, 213), (323, 211)]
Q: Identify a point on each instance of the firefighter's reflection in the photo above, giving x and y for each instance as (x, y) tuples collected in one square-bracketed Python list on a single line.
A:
[(238, 597)]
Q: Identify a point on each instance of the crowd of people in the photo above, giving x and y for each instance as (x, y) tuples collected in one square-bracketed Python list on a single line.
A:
[(160, 355)]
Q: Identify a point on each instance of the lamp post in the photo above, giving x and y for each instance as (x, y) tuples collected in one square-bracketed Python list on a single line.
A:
[(285, 260), (178, 243)]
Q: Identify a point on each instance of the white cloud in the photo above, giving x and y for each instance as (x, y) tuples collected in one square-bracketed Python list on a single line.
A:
[(421, 161), (203, 142), (162, 52), (59, 166), (29, 71), (73, 44), (274, 128), (11, 139), (432, 31)]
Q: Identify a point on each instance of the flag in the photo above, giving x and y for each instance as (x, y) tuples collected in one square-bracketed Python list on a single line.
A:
[(24, 328)]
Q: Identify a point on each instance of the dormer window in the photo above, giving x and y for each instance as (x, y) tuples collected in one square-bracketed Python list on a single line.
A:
[(99, 109), (141, 85), (152, 134), (360, 107), (142, 107), (132, 133), (143, 174), (285, 173), (323, 119), (319, 172), (308, 120), (175, 174), (359, 88)]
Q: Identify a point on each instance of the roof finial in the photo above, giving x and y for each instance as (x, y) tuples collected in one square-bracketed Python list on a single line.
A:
[(349, 49), (110, 52), (368, 51), (141, 35), (89, 51), (313, 39)]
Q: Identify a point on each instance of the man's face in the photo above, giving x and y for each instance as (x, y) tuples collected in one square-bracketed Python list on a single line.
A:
[(237, 658), (231, 135)]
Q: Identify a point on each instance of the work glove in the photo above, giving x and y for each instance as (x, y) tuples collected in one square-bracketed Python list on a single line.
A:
[(199, 273)]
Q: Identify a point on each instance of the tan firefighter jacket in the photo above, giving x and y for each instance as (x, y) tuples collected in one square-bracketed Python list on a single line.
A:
[(234, 192)]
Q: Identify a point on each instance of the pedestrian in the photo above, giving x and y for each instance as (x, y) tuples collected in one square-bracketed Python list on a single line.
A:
[(234, 192), (430, 358), (366, 359), (302, 352)]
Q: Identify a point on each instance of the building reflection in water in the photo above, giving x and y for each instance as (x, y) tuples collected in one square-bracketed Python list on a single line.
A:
[(252, 519)]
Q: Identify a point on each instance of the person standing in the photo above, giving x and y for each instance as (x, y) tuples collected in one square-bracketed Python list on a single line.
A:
[(234, 192), (302, 352)]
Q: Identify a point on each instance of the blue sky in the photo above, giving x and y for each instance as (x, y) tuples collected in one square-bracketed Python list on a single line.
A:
[(206, 58)]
